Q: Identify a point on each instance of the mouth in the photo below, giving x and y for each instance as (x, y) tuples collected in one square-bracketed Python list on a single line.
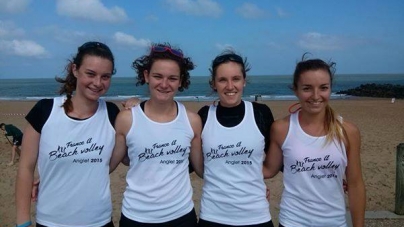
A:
[(95, 90), (230, 93), (315, 103), (163, 91)]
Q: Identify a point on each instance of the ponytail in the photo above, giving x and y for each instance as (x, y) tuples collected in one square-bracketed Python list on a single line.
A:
[(334, 128), (68, 87)]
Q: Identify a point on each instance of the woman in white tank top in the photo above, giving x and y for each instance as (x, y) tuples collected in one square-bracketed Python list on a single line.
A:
[(159, 136), (71, 139), (318, 150), (234, 140)]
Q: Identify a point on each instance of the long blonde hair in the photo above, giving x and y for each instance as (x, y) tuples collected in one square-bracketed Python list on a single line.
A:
[(333, 124)]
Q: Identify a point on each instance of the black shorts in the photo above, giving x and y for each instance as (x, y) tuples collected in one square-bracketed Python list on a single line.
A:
[(188, 220), (203, 223), (110, 224), (17, 140)]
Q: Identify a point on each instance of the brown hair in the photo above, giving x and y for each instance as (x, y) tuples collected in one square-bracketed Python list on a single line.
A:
[(70, 81), (332, 124), (160, 51)]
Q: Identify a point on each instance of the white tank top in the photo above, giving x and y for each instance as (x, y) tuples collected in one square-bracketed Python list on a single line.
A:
[(312, 179), (158, 184), (234, 188), (73, 165)]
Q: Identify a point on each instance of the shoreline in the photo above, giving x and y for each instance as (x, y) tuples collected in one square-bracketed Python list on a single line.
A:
[(380, 122)]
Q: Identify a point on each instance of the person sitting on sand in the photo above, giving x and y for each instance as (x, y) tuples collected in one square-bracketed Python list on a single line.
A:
[(11, 130)]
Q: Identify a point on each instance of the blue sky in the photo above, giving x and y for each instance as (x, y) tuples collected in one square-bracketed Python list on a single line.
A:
[(38, 36)]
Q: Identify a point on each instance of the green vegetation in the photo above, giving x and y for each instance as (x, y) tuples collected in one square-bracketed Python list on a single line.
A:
[(376, 90)]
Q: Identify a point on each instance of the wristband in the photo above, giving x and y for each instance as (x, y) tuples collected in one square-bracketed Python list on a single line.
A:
[(25, 224)]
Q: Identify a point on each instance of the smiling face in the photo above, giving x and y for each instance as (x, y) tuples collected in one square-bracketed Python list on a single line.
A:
[(93, 77), (313, 90), (229, 83), (163, 79)]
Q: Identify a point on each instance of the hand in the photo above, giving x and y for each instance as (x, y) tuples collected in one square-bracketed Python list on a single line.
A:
[(130, 103), (34, 192), (126, 160), (268, 195), (345, 186)]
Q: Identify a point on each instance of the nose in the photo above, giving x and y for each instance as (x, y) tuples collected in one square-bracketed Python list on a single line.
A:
[(316, 94), (164, 83), (229, 85), (97, 81)]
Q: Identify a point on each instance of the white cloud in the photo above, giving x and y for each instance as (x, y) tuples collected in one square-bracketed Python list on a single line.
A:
[(196, 7), (152, 17), (317, 41), (250, 11), (14, 6), (273, 45), (8, 29), (281, 12), (222, 47), (128, 40), (91, 10), (24, 48), (63, 35)]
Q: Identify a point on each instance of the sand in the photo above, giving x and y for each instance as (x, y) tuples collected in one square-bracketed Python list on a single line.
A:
[(382, 129)]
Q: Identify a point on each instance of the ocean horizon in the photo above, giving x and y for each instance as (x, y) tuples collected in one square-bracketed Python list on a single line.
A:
[(270, 87)]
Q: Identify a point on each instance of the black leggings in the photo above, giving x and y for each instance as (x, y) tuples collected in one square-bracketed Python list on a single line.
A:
[(111, 224), (203, 223), (188, 220)]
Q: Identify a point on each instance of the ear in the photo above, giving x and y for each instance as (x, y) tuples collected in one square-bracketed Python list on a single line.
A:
[(75, 70), (295, 91), (213, 86), (146, 76)]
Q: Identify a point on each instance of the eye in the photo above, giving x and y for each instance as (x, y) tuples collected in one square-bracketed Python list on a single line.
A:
[(106, 77), (324, 88), (90, 74), (173, 79)]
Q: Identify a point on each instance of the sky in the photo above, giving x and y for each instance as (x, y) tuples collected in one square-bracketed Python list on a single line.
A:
[(37, 37)]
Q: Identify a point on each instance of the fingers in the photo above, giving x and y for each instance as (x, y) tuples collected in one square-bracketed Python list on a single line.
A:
[(268, 194), (345, 186), (34, 192)]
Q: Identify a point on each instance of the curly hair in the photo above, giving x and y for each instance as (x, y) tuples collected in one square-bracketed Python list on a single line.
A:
[(145, 62)]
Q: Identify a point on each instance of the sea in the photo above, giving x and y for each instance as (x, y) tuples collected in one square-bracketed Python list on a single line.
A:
[(270, 87)]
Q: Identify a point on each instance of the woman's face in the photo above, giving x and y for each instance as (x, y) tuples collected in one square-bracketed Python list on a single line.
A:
[(93, 77), (314, 90), (164, 79), (229, 83)]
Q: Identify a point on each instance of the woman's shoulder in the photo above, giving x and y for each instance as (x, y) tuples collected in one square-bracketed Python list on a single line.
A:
[(203, 110), (282, 123), (112, 107), (261, 107), (350, 128)]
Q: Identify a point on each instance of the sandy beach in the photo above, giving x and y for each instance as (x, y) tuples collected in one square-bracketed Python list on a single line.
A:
[(382, 129)]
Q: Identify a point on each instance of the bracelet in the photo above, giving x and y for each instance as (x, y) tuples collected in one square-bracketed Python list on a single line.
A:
[(25, 224)]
